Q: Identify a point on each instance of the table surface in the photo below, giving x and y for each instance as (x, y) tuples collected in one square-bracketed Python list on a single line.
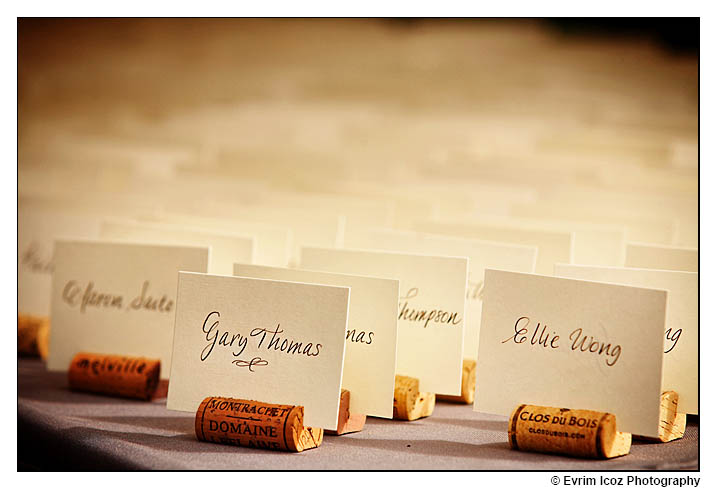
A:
[(100, 432)]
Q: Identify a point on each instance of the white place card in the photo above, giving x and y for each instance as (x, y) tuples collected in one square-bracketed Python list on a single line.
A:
[(371, 337), (553, 245), (481, 255), (115, 298), (680, 364), (569, 343), (432, 293), (225, 248), (37, 231), (651, 256), (273, 243), (271, 341)]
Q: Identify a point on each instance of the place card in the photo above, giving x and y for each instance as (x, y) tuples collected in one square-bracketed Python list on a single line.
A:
[(553, 245), (371, 337), (273, 244), (594, 244), (481, 254), (270, 341), (650, 256), (311, 227), (599, 245), (116, 298), (567, 343), (680, 364), (225, 248), (639, 227), (36, 234), (432, 292)]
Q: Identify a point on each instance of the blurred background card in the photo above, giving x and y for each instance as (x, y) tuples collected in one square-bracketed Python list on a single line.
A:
[(225, 248), (553, 245), (116, 298), (37, 231), (653, 256)]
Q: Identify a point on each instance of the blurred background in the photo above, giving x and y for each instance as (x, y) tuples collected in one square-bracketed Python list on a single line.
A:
[(385, 122)]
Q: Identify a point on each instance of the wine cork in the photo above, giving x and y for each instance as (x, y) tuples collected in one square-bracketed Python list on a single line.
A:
[(132, 377), (409, 402), (33, 333), (255, 424), (468, 384), (347, 421), (672, 424), (580, 433)]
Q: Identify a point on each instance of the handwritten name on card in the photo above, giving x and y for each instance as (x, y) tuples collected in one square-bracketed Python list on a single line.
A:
[(431, 308), (481, 255), (680, 341), (37, 231), (569, 343), (272, 341), (371, 337), (116, 298)]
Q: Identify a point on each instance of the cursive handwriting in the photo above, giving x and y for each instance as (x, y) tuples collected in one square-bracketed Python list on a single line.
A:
[(579, 341), (475, 290), (353, 336), (519, 335), (147, 302), (74, 295), (32, 258), (289, 346), (673, 336), (212, 335), (256, 361), (266, 338), (412, 315)]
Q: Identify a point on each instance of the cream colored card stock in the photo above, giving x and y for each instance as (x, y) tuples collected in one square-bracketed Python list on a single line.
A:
[(680, 365), (37, 231), (311, 227), (649, 256), (272, 243), (371, 338), (568, 343), (225, 248), (591, 243), (273, 341), (481, 255), (431, 308), (553, 245), (114, 298)]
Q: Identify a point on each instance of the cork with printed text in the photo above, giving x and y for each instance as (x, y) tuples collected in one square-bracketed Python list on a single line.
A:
[(578, 433), (130, 377), (255, 424)]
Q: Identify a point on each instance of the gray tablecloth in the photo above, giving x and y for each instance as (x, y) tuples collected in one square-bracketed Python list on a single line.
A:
[(63, 430)]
